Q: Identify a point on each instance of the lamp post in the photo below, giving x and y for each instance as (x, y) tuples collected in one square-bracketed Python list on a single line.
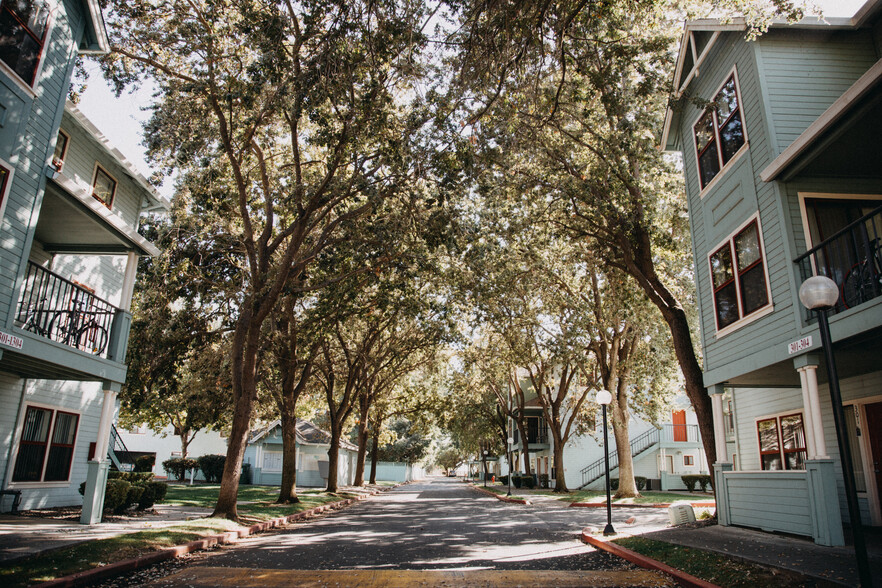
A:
[(603, 398), (510, 447), (485, 467), (820, 294)]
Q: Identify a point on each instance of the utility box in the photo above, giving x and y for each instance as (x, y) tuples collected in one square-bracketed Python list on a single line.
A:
[(681, 514)]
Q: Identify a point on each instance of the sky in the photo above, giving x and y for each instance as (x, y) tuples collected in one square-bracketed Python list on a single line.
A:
[(121, 119)]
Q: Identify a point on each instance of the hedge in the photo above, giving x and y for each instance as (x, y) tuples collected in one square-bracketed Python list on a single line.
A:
[(179, 466), (639, 480), (125, 489), (693, 480), (212, 467), (145, 463)]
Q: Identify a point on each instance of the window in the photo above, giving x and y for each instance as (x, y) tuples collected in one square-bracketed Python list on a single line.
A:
[(4, 182), (46, 447), (719, 133), (23, 25), (782, 442), (103, 187), (738, 274), (688, 460), (272, 461), (60, 150)]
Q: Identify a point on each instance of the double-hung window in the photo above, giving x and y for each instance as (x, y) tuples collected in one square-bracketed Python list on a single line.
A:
[(46, 446), (782, 442), (103, 187), (738, 273), (719, 133), (23, 26)]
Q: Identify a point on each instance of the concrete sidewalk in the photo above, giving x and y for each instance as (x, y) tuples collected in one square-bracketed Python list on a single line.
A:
[(827, 565), (22, 536)]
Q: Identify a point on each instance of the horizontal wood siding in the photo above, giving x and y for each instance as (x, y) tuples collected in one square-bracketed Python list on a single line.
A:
[(83, 152), (805, 72), (85, 398), (772, 501), (37, 120), (737, 195), (103, 273)]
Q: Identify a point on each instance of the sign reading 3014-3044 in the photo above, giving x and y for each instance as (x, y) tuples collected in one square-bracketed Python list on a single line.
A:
[(797, 346)]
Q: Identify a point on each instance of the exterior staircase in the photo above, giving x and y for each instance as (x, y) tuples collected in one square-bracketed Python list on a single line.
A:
[(119, 454), (639, 444)]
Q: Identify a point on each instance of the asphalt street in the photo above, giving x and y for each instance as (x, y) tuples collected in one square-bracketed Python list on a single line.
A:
[(441, 525)]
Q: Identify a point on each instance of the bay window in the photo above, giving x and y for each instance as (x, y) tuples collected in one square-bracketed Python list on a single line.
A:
[(719, 133), (738, 275)]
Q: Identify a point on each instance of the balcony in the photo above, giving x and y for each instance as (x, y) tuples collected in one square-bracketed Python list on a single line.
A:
[(674, 434), (60, 310), (851, 257)]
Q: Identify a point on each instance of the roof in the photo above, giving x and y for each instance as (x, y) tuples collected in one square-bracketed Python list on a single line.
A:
[(306, 434), (699, 37), (96, 33), (155, 200)]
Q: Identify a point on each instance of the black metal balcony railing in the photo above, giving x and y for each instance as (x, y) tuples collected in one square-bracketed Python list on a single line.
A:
[(851, 257), (62, 311)]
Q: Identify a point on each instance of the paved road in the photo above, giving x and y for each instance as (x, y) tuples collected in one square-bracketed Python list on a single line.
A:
[(462, 535)]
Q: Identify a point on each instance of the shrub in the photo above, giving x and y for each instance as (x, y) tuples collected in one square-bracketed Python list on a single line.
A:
[(543, 480), (145, 463), (133, 496), (503, 480), (179, 466), (705, 481), (245, 475), (139, 478), (527, 481), (115, 495), (613, 483), (516, 481), (212, 467), (641, 482), (690, 481), (153, 492)]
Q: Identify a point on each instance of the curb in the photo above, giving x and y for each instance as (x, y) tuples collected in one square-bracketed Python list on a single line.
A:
[(130, 565), (658, 505), (682, 578), (501, 498)]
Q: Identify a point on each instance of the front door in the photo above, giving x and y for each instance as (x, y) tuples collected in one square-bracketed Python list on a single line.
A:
[(679, 419), (873, 427)]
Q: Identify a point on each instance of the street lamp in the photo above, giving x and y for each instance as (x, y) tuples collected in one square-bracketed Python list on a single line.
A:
[(485, 467), (509, 452), (820, 294), (603, 398)]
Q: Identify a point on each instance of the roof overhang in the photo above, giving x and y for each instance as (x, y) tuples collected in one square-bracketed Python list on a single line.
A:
[(95, 41), (153, 201), (700, 36), (868, 86)]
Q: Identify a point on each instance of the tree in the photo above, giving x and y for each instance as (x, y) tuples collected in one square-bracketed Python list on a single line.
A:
[(449, 459), (283, 118)]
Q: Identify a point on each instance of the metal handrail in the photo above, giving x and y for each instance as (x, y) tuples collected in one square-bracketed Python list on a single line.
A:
[(116, 449), (639, 444), (57, 308)]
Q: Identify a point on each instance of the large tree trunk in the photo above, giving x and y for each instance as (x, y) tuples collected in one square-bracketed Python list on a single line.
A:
[(288, 491), (375, 451), (560, 477), (333, 458), (627, 485), (525, 443), (364, 405), (185, 443)]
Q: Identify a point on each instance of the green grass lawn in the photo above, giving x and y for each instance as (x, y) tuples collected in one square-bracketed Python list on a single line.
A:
[(90, 554), (711, 566), (645, 497)]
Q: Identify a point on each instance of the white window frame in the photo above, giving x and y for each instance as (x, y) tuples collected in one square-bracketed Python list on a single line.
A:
[(66, 135), (733, 73), (17, 441), (4, 195), (803, 196), (12, 75), (777, 416), (98, 166), (757, 314), (267, 452)]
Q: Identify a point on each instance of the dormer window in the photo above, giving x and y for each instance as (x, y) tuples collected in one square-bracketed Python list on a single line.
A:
[(719, 133), (103, 186), (23, 26)]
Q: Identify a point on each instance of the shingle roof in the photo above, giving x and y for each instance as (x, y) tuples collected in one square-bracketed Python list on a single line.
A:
[(307, 434)]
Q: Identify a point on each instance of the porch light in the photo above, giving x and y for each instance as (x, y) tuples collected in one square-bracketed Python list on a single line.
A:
[(820, 294), (603, 398)]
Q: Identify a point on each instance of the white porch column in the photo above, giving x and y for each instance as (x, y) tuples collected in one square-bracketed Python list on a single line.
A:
[(809, 419), (96, 475), (719, 424), (128, 285)]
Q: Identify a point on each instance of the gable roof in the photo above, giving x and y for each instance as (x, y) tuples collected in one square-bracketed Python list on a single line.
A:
[(306, 433), (700, 36)]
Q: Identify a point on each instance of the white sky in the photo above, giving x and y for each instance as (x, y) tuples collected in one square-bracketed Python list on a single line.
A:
[(121, 119)]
